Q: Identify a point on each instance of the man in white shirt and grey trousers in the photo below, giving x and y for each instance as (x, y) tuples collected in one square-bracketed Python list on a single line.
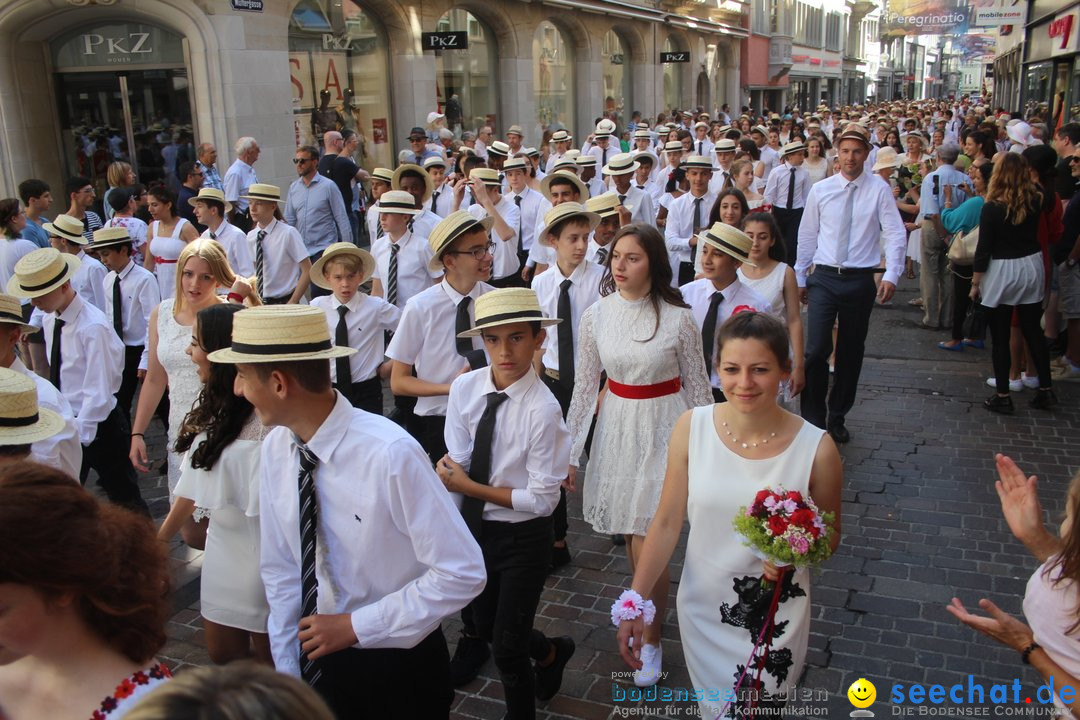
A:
[(846, 217)]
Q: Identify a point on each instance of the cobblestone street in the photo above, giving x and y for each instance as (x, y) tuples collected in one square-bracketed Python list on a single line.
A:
[(921, 524)]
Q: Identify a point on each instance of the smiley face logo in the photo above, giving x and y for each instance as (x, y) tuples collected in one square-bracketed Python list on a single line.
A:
[(862, 693)]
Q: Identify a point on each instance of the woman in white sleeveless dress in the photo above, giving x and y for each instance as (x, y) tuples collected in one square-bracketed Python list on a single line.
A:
[(167, 236), (203, 268), (644, 336), (222, 439), (816, 163), (719, 458)]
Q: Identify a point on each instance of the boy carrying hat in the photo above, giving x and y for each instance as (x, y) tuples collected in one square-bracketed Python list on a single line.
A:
[(362, 554)]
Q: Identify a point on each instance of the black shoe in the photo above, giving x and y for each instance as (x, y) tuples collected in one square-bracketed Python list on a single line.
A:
[(619, 540), (559, 556), (1004, 405), (1044, 399), (469, 656), (839, 433), (548, 679)]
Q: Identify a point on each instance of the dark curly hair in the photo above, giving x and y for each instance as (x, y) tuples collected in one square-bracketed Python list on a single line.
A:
[(218, 411), (120, 587)]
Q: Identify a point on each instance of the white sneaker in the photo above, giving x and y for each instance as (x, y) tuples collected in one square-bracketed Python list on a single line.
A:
[(1069, 372), (1028, 381), (651, 658), (1014, 385)]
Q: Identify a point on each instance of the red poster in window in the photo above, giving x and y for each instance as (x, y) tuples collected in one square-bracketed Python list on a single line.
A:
[(378, 131)]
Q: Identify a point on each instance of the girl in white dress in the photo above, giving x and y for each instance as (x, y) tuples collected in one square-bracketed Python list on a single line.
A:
[(222, 437), (166, 238), (642, 333), (816, 163), (758, 445)]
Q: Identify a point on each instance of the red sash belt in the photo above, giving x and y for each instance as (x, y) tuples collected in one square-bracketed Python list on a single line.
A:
[(164, 261), (645, 392)]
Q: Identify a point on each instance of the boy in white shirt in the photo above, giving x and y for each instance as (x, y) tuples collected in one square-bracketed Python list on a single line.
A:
[(486, 186), (66, 235), (381, 179), (211, 209), (442, 195), (282, 261), (621, 170)]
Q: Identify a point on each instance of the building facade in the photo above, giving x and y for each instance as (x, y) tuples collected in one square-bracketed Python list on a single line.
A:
[(89, 81)]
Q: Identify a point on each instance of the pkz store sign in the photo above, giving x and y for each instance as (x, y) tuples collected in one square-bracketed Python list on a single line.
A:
[(450, 40), (118, 44), (675, 57)]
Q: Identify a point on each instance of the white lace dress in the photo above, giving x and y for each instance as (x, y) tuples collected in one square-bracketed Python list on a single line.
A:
[(629, 450), (184, 383), (166, 249)]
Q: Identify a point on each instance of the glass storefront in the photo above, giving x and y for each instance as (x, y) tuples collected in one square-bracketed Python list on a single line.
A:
[(1037, 86), (465, 79), (615, 61), (553, 79), (673, 78), (338, 62)]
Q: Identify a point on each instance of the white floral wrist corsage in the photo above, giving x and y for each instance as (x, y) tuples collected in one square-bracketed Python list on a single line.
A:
[(630, 606)]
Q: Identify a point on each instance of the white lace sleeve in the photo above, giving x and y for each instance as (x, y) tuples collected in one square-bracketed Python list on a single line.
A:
[(692, 362), (586, 384)]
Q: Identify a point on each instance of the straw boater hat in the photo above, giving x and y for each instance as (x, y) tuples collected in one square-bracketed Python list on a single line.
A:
[(531, 152), (516, 163), (66, 227), (761, 129), (385, 175), (280, 333), (643, 135), (209, 194), (515, 130), (561, 136), (853, 132), (505, 307), (11, 312), (730, 240), (565, 211), (486, 176), (565, 164), (498, 147), (572, 153), (450, 229), (725, 146), (701, 125), (621, 164), (792, 147), (699, 162), (398, 202), (109, 237), (429, 185), (640, 155), (545, 184), (433, 161), (887, 157), (22, 422), (40, 272), (604, 205), (262, 191), (604, 128), (367, 262)]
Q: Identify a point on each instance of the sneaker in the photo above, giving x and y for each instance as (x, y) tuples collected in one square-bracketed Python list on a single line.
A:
[(549, 678), (1044, 400), (1014, 385), (559, 556), (651, 659), (1067, 372), (469, 656), (1028, 381), (998, 404)]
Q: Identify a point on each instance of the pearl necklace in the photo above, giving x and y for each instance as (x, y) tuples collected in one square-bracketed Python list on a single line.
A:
[(735, 440)]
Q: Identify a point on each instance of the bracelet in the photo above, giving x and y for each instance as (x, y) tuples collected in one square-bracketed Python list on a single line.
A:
[(1025, 656), (235, 296), (136, 435), (630, 606)]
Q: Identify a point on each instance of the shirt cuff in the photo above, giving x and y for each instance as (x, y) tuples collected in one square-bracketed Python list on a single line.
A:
[(800, 279), (368, 626), (891, 277)]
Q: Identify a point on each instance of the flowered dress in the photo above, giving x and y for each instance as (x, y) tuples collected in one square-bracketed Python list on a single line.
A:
[(130, 691)]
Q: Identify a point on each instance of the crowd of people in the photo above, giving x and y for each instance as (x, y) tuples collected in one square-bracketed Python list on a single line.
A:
[(687, 293)]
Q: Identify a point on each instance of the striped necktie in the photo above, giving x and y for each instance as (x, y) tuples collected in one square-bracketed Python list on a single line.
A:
[(259, 263), (309, 520)]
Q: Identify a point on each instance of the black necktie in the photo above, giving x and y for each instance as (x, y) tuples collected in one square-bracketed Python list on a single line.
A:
[(472, 509), (791, 191), (309, 584), (213, 235), (391, 280), (601, 256), (708, 329), (640, 187), (54, 354), (341, 339), (461, 324), (517, 201), (566, 336), (117, 308), (700, 147), (603, 157), (434, 198), (697, 225), (622, 199), (259, 266)]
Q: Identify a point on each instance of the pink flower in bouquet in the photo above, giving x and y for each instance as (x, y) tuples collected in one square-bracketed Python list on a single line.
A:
[(788, 506), (799, 543)]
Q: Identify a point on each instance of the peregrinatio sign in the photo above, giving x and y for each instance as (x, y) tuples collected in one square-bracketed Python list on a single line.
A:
[(925, 17)]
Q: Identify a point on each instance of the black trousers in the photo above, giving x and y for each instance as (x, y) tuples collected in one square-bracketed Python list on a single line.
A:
[(847, 300), (1030, 316), (686, 273), (389, 683), (511, 280), (962, 302), (789, 220), (129, 381), (516, 557), (314, 289), (108, 456), (366, 394), (428, 431), (280, 300), (563, 394), (242, 220)]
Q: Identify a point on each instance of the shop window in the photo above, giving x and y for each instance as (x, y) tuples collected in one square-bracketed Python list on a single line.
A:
[(616, 70), (465, 84), (673, 76), (553, 78)]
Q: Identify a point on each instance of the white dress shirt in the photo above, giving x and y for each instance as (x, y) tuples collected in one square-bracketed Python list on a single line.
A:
[(679, 228), (62, 451), (237, 249), (584, 291), (371, 219), (776, 186), (533, 208), (530, 450), (424, 223), (641, 204), (540, 253), (368, 320), (283, 251), (603, 157), (506, 259), (719, 177), (139, 295), (703, 147), (392, 551), (11, 252), (770, 158), (413, 275), (698, 294), (238, 178), (442, 201), (875, 221), (91, 363), (88, 279), (426, 339), (592, 254)]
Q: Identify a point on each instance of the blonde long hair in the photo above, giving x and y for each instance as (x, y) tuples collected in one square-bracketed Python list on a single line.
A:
[(1011, 185), (214, 254)]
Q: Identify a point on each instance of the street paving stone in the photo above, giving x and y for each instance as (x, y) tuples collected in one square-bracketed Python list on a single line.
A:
[(921, 524)]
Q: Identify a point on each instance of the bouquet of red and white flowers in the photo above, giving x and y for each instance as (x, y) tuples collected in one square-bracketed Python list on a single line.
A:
[(785, 528)]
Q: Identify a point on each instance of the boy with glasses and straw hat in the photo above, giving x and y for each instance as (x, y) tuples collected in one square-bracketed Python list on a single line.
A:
[(426, 351), (61, 449), (358, 626), (86, 364), (508, 453), (24, 426), (281, 258), (486, 186)]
